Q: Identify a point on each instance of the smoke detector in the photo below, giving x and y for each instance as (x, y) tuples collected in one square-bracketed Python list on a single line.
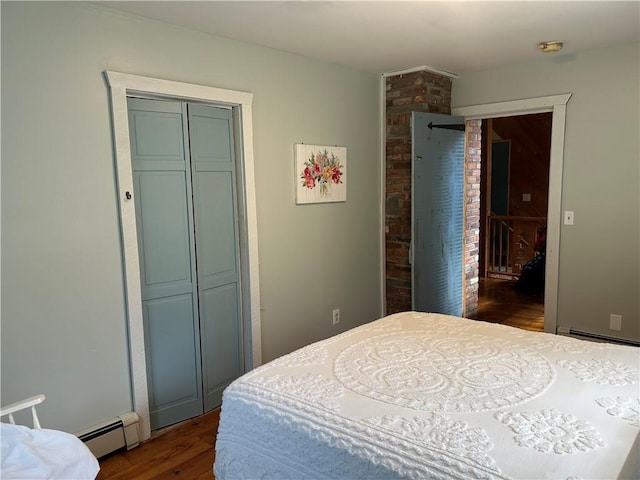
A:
[(549, 47)]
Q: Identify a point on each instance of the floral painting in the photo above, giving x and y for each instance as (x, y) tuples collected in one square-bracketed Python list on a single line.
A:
[(321, 174)]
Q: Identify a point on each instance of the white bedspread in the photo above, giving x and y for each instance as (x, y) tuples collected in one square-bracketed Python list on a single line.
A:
[(426, 396), (36, 454)]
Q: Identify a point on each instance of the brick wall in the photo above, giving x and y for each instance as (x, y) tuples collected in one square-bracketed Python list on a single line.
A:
[(422, 92), (473, 162)]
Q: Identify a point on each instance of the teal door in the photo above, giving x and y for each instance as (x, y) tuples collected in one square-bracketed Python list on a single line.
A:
[(215, 213), (184, 193), (500, 160), (438, 212)]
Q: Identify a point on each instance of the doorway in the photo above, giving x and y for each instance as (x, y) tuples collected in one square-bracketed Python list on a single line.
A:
[(557, 105), (514, 193), (120, 86)]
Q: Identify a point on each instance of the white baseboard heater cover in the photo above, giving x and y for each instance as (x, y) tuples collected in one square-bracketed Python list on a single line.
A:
[(107, 437), (596, 337)]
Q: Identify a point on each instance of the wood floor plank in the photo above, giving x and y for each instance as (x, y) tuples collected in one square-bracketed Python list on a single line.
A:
[(185, 452), (165, 467), (499, 302), (194, 467)]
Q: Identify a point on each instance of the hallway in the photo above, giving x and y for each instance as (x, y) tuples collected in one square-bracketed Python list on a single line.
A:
[(499, 302)]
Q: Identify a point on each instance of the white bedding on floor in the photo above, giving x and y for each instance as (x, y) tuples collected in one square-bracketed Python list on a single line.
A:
[(417, 395), (36, 454)]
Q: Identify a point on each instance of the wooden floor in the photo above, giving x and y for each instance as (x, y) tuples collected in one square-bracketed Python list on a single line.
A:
[(187, 450), (499, 302)]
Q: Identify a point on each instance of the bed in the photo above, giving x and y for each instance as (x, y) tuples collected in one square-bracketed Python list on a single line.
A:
[(38, 453), (428, 396)]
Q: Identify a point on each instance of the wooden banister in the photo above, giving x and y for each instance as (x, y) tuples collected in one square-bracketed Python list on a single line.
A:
[(510, 244)]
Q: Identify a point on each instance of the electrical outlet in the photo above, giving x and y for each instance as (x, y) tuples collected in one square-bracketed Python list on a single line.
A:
[(615, 322), (336, 316), (568, 217)]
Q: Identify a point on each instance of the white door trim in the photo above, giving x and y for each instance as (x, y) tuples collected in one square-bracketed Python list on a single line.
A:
[(121, 85), (383, 195), (557, 104)]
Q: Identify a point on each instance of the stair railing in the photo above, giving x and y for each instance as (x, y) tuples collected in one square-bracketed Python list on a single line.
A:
[(510, 244)]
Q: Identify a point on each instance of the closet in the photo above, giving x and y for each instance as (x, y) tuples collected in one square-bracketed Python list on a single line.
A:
[(183, 168)]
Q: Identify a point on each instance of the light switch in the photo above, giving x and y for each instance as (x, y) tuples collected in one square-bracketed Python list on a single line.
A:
[(526, 197), (568, 217)]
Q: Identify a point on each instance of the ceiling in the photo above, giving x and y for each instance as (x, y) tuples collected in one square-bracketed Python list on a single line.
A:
[(388, 36)]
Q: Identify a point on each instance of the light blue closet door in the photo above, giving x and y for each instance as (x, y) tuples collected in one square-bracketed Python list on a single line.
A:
[(162, 195), (215, 210), (438, 212)]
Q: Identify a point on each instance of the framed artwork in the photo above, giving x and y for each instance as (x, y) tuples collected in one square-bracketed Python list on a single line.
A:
[(321, 173)]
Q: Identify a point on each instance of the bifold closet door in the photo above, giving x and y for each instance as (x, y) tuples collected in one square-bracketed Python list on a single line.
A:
[(215, 213), (186, 214), (162, 192)]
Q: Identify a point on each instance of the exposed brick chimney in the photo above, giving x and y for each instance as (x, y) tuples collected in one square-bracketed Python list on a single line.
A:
[(421, 91)]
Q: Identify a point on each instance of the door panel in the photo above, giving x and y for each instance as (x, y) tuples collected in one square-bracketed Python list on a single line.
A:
[(215, 212), (172, 374), (158, 136), (221, 337), (438, 213), (210, 134), (215, 226), (163, 218), (156, 132), (162, 196)]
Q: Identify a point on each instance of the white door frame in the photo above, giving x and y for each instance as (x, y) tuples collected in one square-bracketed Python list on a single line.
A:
[(557, 104), (121, 85)]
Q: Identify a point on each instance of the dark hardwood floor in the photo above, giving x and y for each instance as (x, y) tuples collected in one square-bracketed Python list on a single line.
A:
[(186, 451), (499, 302)]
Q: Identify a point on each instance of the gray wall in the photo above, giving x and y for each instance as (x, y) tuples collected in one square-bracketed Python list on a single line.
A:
[(600, 254), (64, 330)]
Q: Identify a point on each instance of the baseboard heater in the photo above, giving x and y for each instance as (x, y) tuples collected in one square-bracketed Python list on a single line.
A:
[(571, 332), (112, 435)]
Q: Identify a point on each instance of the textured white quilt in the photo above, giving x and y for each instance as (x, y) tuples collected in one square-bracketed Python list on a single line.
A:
[(427, 396)]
